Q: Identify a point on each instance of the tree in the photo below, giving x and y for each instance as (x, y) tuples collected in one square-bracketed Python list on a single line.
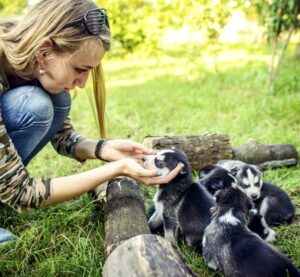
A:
[(281, 18)]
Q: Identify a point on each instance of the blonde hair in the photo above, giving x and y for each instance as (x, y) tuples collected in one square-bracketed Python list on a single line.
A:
[(21, 41)]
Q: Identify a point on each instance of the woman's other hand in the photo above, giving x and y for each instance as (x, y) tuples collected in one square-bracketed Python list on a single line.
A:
[(117, 149), (135, 170)]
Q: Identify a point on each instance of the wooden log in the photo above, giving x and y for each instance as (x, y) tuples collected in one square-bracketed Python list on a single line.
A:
[(266, 155), (130, 248), (124, 213), (145, 255), (209, 148), (201, 150)]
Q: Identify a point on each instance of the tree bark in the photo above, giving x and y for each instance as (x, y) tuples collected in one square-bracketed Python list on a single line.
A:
[(266, 155), (209, 148), (125, 213), (145, 255), (201, 150)]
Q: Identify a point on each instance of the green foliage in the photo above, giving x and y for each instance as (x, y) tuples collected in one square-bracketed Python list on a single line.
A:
[(12, 7), (140, 24), (278, 15)]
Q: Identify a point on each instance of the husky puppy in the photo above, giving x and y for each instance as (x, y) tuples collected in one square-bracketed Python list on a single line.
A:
[(182, 206), (229, 246), (214, 178), (249, 177), (274, 205)]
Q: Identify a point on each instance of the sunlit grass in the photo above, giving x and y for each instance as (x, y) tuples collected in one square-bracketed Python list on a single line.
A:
[(177, 94)]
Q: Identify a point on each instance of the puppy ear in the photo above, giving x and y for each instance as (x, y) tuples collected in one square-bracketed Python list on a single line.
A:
[(234, 182), (217, 184), (252, 212), (183, 170), (234, 171), (219, 195), (205, 170)]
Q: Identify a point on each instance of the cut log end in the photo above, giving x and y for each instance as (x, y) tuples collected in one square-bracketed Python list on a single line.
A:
[(145, 255)]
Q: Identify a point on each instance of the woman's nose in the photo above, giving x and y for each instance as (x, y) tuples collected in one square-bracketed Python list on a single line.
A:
[(80, 82)]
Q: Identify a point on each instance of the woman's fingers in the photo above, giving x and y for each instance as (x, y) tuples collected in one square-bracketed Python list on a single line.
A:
[(142, 149), (163, 179)]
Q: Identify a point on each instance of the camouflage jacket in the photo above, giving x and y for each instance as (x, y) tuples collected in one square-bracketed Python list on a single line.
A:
[(17, 188)]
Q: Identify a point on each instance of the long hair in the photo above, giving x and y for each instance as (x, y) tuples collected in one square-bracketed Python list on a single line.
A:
[(22, 39)]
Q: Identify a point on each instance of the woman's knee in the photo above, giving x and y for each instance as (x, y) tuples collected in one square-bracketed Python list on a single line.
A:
[(26, 106)]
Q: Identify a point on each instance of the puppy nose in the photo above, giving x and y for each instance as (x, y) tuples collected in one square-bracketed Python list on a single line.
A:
[(254, 196)]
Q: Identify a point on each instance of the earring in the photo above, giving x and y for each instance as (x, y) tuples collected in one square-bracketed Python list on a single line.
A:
[(42, 72)]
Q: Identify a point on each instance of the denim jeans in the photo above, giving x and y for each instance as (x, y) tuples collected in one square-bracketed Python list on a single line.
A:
[(31, 117)]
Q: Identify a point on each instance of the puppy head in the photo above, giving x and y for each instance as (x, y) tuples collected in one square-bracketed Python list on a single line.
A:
[(215, 177), (232, 198), (249, 180), (166, 160)]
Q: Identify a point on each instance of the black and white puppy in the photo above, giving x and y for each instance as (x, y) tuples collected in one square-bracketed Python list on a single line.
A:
[(214, 178), (274, 205), (249, 176), (182, 206), (229, 246)]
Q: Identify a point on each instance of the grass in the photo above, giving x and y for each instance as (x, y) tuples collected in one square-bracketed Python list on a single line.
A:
[(179, 94)]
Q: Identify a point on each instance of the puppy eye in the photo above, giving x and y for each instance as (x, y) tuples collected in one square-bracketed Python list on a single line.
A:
[(257, 184), (244, 186)]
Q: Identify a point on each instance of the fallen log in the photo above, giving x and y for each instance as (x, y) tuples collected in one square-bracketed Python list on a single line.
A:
[(129, 247), (201, 150), (266, 155), (145, 255), (124, 213), (208, 148)]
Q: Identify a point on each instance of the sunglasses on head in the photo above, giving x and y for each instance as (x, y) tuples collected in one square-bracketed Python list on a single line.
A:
[(93, 21)]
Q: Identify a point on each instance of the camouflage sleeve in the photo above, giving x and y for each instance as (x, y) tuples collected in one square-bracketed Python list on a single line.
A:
[(66, 139), (17, 188)]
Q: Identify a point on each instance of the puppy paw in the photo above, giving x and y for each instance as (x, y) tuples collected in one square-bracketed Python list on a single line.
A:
[(271, 236)]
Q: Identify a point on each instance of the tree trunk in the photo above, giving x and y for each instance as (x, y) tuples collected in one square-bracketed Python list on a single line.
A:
[(145, 255), (201, 150)]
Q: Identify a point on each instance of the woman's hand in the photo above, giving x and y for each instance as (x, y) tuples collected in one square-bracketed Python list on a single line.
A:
[(135, 170), (117, 149)]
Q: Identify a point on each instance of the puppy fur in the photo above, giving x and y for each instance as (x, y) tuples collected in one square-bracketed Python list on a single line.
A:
[(274, 205), (214, 178), (249, 177), (229, 246), (182, 206)]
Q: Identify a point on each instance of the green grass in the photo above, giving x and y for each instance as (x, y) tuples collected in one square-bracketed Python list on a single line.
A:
[(179, 94)]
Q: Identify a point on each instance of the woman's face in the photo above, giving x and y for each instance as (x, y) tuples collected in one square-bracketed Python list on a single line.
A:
[(65, 71)]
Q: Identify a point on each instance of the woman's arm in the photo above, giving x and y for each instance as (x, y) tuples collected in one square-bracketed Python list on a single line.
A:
[(68, 187), (65, 188)]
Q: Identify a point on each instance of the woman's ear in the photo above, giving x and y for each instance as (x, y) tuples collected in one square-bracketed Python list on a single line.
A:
[(44, 51)]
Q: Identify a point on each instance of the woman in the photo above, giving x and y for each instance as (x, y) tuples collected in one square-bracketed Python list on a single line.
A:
[(50, 52)]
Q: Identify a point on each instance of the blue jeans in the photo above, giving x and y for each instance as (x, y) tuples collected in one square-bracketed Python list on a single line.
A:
[(31, 117)]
